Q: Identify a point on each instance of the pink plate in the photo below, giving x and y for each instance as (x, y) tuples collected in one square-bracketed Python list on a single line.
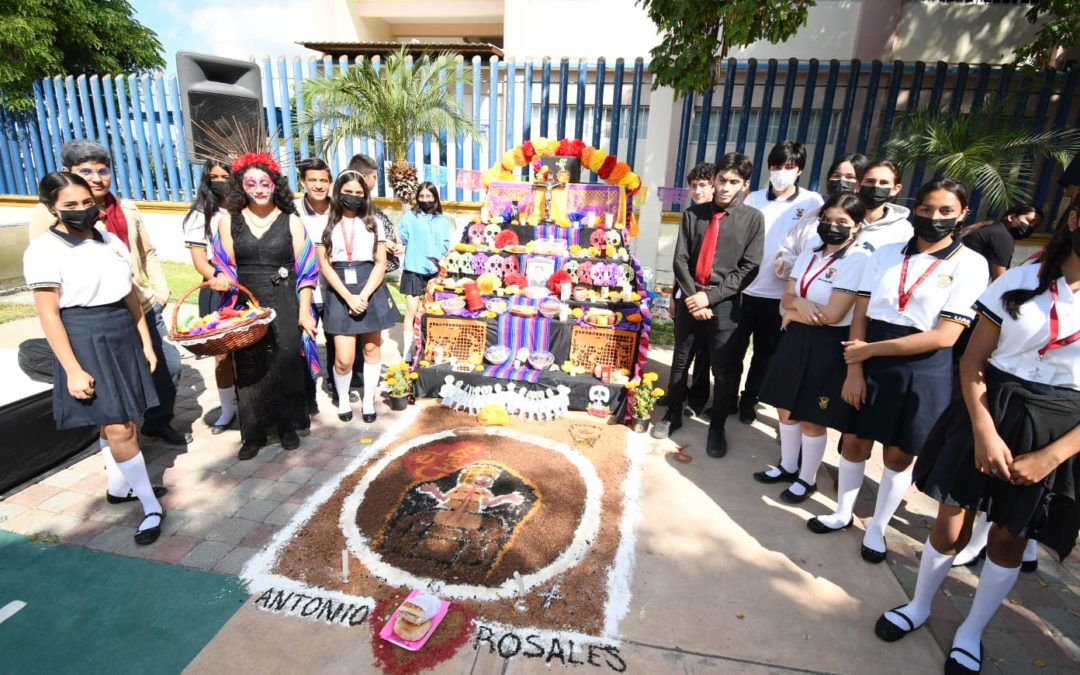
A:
[(388, 634)]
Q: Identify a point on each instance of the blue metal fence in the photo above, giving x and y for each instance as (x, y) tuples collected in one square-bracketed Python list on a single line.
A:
[(832, 107)]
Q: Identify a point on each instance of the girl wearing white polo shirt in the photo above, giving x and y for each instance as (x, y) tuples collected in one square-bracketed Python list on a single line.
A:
[(200, 231), (807, 372), (93, 320), (1010, 446), (914, 301)]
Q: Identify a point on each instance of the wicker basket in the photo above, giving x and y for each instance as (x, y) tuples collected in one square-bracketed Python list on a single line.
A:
[(590, 347), (223, 340), (460, 338)]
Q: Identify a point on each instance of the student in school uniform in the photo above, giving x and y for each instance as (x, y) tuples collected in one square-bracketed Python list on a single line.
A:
[(352, 257), (1010, 445), (782, 203), (843, 178), (886, 223), (94, 322), (717, 252), (200, 231), (914, 301), (312, 207), (91, 161), (996, 240), (425, 234), (806, 376)]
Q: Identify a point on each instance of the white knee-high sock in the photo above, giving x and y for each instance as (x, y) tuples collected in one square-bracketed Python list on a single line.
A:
[(995, 582), (790, 438), (341, 385), (933, 568), (406, 342), (980, 530), (894, 485), (227, 396), (847, 491), (134, 471), (118, 485), (371, 385), (1031, 551), (813, 450)]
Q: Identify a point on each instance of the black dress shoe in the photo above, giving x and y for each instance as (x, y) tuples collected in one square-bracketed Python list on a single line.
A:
[(818, 527), (345, 416), (889, 631), (783, 477), (289, 440), (871, 556), (150, 534), (369, 418), (954, 667), (792, 498), (248, 450), (717, 443), (159, 491), (747, 415), (168, 434)]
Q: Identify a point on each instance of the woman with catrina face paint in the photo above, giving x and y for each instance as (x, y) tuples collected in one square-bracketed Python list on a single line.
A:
[(94, 322), (264, 238), (915, 299)]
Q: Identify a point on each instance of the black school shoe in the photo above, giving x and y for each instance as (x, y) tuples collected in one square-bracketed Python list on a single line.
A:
[(888, 631), (289, 440), (150, 534), (818, 527), (717, 443), (792, 498), (159, 492), (871, 556), (249, 450), (954, 667), (783, 477)]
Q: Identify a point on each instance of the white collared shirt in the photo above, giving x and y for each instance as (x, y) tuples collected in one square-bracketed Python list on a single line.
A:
[(1018, 346), (949, 292), (780, 216), (195, 230), (362, 242), (88, 272), (843, 275)]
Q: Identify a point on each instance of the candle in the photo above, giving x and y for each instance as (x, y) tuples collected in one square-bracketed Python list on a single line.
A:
[(564, 311), (608, 218), (520, 583), (345, 565), (564, 291)]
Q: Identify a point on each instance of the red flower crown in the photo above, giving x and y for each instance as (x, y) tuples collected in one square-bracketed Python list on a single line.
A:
[(263, 158)]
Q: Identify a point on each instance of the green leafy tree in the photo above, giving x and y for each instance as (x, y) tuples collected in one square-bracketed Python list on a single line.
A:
[(988, 149), (1060, 29), (695, 33), (394, 103), (40, 38)]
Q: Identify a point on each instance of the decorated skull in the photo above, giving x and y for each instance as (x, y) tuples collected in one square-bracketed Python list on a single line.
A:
[(455, 260), (599, 395), (584, 272), (627, 277), (476, 233), (510, 265), (613, 278), (571, 268), (598, 274), (494, 265), (613, 238), (597, 239), (478, 262), (491, 230)]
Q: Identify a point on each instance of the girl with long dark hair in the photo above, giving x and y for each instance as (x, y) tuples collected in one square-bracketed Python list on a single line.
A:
[(200, 231), (425, 234), (358, 306)]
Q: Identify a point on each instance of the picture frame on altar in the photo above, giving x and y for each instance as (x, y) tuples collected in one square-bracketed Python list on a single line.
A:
[(539, 270)]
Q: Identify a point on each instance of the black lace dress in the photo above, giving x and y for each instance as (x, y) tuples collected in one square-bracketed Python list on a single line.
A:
[(270, 373)]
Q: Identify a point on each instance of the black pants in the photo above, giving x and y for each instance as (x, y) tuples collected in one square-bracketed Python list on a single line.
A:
[(715, 334), (700, 382), (759, 318)]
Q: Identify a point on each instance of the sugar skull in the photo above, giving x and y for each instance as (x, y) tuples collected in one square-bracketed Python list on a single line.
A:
[(494, 265), (455, 261), (476, 233), (627, 277), (510, 265), (491, 230), (613, 278), (597, 239), (479, 260), (598, 274), (584, 272), (613, 238), (571, 268)]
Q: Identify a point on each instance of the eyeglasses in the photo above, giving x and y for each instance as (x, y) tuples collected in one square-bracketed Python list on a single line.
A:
[(103, 172)]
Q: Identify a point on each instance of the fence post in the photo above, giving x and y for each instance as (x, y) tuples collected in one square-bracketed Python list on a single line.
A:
[(493, 110), (545, 95), (459, 140), (635, 109), (181, 142), (763, 123), (140, 133), (7, 166), (616, 108), (84, 105), (477, 102), (286, 122), (162, 107), (1064, 99), (789, 97), (160, 188), (119, 162), (826, 122), (725, 108), (867, 120), (511, 85), (298, 87), (46, 158), (683, 144), (131, 147), (849, 107), (579, 111)]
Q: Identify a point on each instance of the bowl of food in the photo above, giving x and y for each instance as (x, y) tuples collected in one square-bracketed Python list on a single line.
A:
[(541, 360), (497, 354), (600, 317), (452, 305), (523, 310), (550, 308), (497, 305), (536, 292)]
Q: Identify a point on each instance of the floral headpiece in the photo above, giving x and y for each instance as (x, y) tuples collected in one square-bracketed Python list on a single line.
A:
[(263, 158)]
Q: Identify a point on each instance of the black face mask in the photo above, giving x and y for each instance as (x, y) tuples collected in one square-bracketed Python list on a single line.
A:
[(1020, 232), (219, 187), (351, 202), (79, 220), (426, 207), (837, 186), (932, 229), (873, 196), (833, 234)]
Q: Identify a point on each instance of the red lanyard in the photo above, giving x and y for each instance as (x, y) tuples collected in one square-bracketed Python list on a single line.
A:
[(1056, 342), (349, 238), (906, 295), (804, 285)]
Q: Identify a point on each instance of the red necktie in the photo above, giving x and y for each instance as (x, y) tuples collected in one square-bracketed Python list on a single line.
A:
[(708, 249)]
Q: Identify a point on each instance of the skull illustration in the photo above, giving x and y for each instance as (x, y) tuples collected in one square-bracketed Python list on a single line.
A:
[(491, 230), (598, 274), (454, 262), (478, 262), (584, 272), (494, 265), (510, 265), (571, 268), (612, 274), (476, 233), (597, 239), (626, 275), (613, 237), (599, 395)]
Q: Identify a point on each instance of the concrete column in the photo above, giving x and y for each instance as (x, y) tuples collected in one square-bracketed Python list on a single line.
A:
[(652, 166), (875, 36)]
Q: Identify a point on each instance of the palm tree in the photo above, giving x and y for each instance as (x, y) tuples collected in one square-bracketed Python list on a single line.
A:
[(990, 149), (394, 103)]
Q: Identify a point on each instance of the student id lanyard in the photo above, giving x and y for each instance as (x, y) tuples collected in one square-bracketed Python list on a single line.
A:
[(1055, 325), (905, 296), (804, 284), (350, 240)]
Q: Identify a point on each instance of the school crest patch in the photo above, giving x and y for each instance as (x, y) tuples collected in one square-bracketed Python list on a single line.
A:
[(823, 402), (944, 281)]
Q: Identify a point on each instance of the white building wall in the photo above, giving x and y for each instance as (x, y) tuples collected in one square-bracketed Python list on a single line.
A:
[(973, 33), (577, 28), (829, 33)]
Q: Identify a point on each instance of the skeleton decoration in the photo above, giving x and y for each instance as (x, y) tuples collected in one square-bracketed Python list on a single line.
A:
[(627, 277), (458, 263), (494, 265), (476, 233), (491, 230), (541, 405), (598, 274), (599, 397), (510, 265), (478, 262), (613, 238), (597, 239), (571, 268), (584, 272)]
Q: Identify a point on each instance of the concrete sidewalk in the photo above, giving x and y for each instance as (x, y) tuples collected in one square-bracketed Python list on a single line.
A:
[(726, 577)]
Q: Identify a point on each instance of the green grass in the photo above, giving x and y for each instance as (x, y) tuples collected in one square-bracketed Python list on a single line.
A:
[(181, 277), (395, 291), (13, 311), (662, 334)]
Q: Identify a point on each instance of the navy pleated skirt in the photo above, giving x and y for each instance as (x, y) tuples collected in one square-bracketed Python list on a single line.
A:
[(806, 376), (381, 311)]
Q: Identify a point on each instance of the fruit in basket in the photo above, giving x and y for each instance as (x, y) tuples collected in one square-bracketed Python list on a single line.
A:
[(224, 318)]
